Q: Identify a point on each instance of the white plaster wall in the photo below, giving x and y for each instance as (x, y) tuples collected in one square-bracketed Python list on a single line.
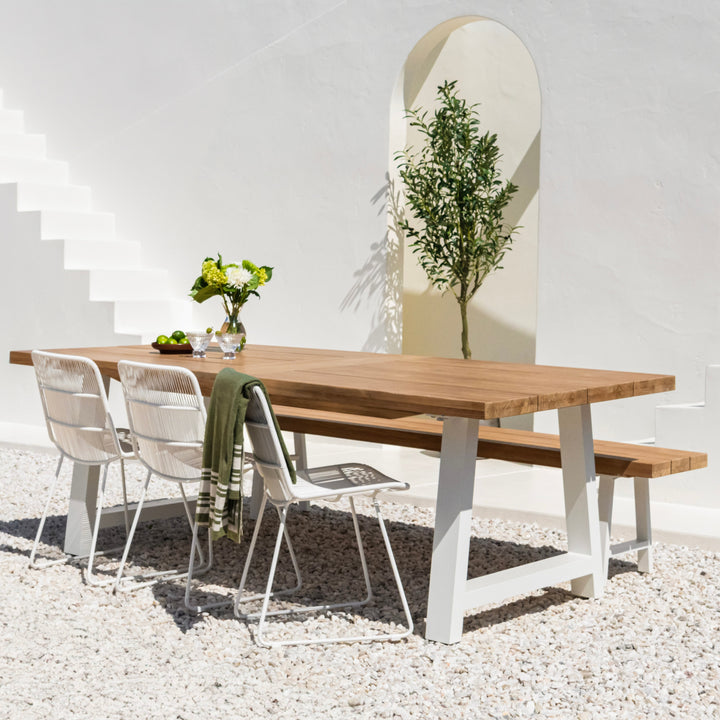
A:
[(261, 129)]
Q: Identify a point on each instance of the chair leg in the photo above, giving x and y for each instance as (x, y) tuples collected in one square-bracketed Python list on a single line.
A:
[(396, 575), (271, 576), (43, 517), (264, 614), (363, 561), (192, 571), (89, 577), (191, 523), (131, 534), (288, 591), (643, 524)]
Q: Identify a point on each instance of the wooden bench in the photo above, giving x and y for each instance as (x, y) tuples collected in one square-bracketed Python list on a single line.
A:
[(612, 459)]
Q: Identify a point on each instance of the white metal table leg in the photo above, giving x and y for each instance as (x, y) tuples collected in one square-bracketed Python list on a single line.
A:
[(81, 508), (642, 524), (301, 463), (605, 509), (581, 496), (451, 540)]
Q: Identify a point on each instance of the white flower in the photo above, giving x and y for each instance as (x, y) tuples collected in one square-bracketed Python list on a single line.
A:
[(237, 277)]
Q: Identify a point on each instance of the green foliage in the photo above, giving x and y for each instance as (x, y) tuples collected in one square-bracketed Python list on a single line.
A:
[(456, 194)]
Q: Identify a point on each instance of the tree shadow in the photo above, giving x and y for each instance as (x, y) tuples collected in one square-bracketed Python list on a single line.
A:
[(379, 281)]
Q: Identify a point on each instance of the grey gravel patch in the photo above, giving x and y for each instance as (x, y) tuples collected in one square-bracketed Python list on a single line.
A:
[(650, 648)]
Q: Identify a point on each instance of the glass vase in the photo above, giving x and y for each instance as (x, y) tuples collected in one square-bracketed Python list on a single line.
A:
[(233, 326)]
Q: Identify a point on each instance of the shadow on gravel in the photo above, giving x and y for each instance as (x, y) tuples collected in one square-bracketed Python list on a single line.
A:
[(324, 543)]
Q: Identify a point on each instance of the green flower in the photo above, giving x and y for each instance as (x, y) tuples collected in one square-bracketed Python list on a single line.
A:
[(212, 275)]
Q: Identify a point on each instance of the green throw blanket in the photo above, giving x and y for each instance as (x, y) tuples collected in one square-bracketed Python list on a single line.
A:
[(219, 503)]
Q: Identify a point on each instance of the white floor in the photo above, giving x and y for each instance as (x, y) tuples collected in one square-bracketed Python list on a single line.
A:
[(504, 490)]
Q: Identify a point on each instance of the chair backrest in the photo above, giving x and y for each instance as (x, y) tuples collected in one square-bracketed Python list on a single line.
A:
[(76, 409), (166, 414), (266, 448)]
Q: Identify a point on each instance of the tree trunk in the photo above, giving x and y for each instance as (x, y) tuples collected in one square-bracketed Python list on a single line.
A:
[(464, 335)]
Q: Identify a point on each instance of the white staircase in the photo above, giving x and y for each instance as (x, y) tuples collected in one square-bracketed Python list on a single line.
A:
[(40, 187)]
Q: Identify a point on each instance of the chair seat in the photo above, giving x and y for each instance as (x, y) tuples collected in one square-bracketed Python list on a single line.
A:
[(346, 479)]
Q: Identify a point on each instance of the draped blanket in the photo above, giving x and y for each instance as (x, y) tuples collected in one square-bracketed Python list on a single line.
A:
[(219, 503)]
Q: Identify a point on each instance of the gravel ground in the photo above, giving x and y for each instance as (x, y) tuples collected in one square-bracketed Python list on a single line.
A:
[(650, 648)]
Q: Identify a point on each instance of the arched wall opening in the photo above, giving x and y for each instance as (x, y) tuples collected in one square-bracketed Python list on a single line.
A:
[(494, 69)]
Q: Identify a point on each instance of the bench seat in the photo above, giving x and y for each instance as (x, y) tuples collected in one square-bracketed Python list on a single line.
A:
[(612, 459), (523, 446)]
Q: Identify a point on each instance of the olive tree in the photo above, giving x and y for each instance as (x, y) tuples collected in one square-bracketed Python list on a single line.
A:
[(456, 195)]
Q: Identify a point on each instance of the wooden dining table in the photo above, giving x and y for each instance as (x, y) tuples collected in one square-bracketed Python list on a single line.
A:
[(463, 392)]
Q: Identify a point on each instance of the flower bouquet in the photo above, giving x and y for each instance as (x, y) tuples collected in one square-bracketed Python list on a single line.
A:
[(233, 283)]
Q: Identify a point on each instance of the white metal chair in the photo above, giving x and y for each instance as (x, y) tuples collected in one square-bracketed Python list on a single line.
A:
[(166, 413), (79, 424), (327, 483)]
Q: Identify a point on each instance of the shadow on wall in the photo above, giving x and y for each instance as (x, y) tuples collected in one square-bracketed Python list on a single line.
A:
[(379, 280)]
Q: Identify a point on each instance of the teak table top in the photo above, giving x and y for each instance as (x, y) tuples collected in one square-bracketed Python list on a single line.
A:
[(393, 385)]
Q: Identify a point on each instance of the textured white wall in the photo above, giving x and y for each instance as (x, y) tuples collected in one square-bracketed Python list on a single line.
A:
[(261, 129)]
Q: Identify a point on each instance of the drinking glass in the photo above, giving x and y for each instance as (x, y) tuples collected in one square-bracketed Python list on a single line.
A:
[(199, 339), (229, 343)]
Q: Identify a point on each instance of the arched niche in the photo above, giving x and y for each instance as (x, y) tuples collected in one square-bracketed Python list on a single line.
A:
[(493, 68)]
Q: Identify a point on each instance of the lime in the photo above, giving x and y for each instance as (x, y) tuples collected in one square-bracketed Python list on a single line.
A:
[(162, 339), (172, 341), (184, 341), (178, 335)]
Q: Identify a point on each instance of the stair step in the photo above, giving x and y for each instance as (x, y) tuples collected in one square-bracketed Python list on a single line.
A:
[(133, 284), (37, 196), (19, 169), (150, 319), (61, 225), (11, 121), (21, 145), (82, 254)]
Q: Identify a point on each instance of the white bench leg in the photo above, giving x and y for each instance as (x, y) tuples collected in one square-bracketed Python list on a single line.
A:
[(643, 530), (605, 508), (642, 524)]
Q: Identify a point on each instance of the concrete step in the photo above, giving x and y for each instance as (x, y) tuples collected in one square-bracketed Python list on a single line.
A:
[(150, 319), (61, 225), (133, 284), (19, 169), (11, 121), (38, 196), (83, 254), (21, 145)]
